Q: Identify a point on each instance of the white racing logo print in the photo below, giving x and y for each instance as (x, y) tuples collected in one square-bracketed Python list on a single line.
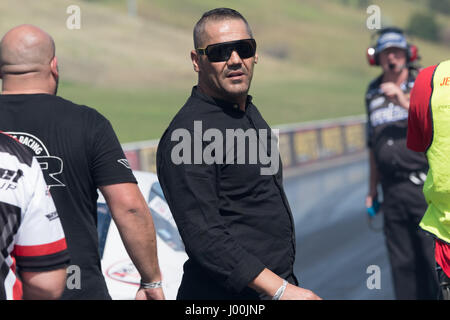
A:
[(390, 114), (125, 163), (51, 166)]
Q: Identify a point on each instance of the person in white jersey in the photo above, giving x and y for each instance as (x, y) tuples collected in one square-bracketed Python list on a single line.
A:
[(33, 250)]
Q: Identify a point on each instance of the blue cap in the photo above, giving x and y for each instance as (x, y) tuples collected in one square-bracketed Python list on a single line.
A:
[(391, 39)]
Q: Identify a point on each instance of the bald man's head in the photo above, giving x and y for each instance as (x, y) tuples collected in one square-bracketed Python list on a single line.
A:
[(24, 48), (27, 61)]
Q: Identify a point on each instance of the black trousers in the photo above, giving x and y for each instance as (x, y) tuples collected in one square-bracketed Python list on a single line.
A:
[(444, 282), (410, 249)]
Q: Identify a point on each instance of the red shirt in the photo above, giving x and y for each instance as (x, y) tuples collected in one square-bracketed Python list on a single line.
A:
[(420, 124), (419, 137)]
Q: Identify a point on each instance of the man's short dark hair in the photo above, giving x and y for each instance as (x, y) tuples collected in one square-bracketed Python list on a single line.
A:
[(217, 14)]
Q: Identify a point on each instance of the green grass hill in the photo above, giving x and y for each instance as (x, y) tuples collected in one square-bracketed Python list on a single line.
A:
[(136, 70)]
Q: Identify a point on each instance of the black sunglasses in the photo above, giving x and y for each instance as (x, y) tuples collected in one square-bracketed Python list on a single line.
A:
[(218, 52)]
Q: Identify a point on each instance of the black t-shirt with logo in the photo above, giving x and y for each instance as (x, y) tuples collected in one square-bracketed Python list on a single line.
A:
[(387, 126), (78, 152)]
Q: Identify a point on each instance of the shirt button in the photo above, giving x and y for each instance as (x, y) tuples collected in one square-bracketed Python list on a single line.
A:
[(390, 142), (235, 106)]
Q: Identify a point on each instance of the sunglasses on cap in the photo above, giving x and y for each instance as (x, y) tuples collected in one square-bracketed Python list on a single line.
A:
[(219, 52)]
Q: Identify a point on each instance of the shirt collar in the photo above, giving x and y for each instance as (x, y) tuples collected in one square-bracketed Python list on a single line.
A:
[(196, 93)]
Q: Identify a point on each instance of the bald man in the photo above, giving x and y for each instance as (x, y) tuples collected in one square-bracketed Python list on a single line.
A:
[(78, 152), (27, 61)]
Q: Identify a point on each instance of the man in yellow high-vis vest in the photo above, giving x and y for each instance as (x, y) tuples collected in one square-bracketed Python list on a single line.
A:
[(429, 132)]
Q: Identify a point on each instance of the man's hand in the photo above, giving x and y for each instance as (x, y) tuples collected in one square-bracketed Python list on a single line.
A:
[(369, 200), (395, 94), (268, 283), (296, 293), (150, 294)]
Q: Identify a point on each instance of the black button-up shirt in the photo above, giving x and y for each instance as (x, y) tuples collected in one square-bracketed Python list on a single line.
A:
[(234, 221)]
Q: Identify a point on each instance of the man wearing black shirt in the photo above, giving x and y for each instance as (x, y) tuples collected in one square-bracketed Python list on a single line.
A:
[(78, 152), (401, 172), (227, 196)]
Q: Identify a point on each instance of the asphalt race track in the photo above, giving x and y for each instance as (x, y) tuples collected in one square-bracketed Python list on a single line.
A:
[(335, 245)]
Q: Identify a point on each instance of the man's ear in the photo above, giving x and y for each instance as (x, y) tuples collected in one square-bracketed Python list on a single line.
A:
[(194, 57), (54, 67), (256, 58)]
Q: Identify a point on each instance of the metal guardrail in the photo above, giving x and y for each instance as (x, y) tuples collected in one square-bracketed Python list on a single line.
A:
[(300, 144)]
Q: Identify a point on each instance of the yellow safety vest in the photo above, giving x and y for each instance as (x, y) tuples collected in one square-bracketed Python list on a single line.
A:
[(437, 186)]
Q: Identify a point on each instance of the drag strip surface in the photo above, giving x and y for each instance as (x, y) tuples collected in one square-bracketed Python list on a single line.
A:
[(335, 245)]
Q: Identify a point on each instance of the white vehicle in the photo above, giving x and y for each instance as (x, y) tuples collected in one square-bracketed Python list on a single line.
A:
[(121, 275)]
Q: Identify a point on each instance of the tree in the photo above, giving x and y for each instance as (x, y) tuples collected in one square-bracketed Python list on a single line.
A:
[(442, 6), (424, 25)]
